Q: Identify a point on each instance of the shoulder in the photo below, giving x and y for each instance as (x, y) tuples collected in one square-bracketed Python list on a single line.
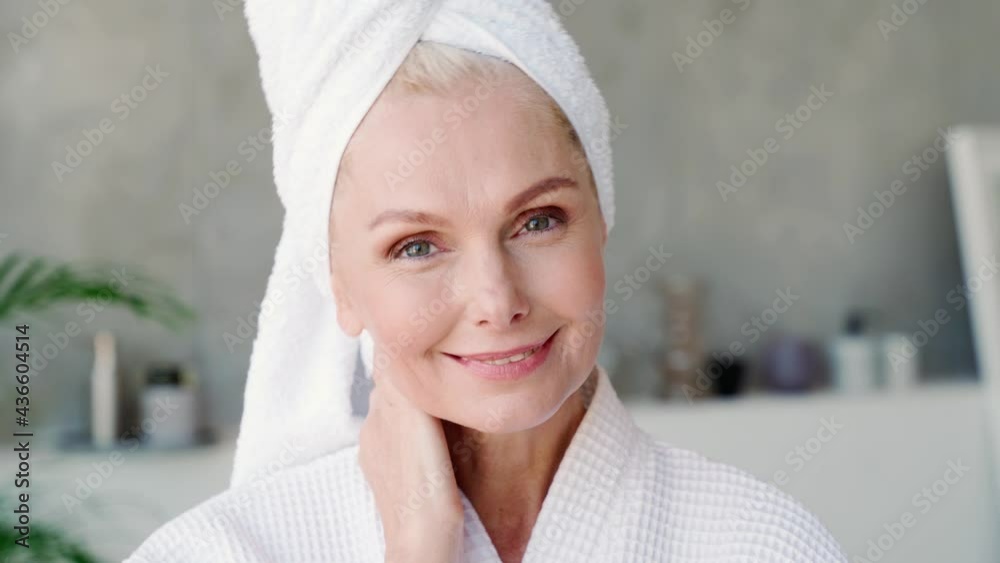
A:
[(257, 520), (740, 515)]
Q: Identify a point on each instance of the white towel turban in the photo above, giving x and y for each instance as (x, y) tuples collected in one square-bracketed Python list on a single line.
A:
[(322, 65)]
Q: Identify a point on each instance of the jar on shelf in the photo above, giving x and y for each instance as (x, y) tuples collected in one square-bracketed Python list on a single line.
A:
[(169, 407)]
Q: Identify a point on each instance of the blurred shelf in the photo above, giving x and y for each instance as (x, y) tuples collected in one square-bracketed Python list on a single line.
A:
[(957, 385)]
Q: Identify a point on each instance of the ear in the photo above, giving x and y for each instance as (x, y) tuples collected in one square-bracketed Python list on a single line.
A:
[(347, 316)]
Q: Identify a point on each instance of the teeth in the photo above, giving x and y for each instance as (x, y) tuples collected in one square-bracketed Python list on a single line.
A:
[(510, 359)]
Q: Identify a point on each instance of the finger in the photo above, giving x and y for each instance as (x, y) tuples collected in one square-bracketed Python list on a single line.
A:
[(375, 372), (387, 387)]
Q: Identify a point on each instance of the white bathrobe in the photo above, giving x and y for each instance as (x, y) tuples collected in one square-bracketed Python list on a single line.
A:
[(618, 496)]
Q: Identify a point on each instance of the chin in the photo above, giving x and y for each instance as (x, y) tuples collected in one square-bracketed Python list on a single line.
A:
[(505, 415), (530, 404)]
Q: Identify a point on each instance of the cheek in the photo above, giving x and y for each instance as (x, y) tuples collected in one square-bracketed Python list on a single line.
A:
[(409, 315), (575, 293), (571, 281), (406, 319)]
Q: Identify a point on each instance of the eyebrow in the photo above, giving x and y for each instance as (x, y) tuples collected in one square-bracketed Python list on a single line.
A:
[(536, 190)]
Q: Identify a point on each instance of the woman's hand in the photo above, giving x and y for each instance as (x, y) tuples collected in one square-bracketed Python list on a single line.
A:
[(404, 457)]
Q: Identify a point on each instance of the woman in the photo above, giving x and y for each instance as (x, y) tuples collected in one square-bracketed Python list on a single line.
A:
[(466, 225)]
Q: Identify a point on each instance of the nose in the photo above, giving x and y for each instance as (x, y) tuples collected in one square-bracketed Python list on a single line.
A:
[(496, 299)]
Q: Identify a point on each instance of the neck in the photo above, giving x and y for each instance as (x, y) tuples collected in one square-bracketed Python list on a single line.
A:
[(507, 475)]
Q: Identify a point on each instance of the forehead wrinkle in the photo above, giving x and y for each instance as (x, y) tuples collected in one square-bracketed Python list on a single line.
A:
[(462, 175)]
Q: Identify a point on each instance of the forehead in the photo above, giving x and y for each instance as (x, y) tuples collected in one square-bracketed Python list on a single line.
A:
[(472, 142)]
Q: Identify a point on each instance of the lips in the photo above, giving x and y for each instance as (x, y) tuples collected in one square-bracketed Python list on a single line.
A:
[(507, 366), (513, 358), (506, 356)]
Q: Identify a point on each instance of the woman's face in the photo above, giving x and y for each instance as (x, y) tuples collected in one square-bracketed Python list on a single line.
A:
[(466, 225)]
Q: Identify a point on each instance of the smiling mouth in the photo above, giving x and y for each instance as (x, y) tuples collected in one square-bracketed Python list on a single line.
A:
[(494, 360), (510, 359)]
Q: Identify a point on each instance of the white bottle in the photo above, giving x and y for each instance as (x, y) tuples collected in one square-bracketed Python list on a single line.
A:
[(104, 392), (854, 358), (900, 362), (169, 408)]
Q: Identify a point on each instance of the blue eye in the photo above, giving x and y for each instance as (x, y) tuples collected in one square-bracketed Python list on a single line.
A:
[(542, 221), (413, 249)]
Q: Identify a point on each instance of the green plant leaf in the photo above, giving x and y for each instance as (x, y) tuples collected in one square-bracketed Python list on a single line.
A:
[(38, 285)]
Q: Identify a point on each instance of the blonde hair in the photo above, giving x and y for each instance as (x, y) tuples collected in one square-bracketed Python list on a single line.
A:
[(436, 68)]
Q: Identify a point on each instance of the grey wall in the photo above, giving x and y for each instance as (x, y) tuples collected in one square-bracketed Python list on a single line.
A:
[(683, 128)]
